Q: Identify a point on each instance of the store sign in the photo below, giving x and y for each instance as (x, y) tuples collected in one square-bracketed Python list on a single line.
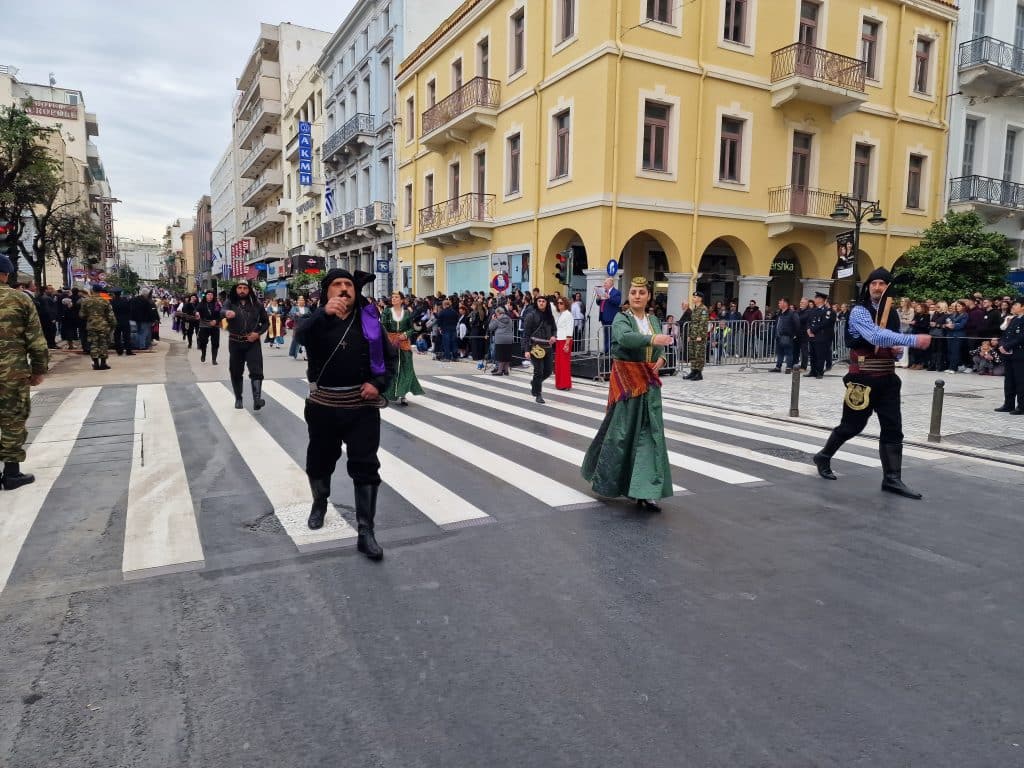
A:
[(107, 222), (499, 263), (239, 252), (783, 266), (52, 109), (308, 265), (305, 154)]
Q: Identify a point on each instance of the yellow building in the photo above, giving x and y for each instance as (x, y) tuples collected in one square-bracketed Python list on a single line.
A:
[(704, 143)]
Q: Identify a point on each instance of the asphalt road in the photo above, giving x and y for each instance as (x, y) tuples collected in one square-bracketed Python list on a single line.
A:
[(786, 621)]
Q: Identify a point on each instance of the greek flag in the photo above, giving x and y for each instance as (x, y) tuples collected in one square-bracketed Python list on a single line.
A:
[(329, 200)]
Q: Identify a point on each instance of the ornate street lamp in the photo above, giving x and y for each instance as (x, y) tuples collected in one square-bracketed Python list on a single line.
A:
[(861, 211)]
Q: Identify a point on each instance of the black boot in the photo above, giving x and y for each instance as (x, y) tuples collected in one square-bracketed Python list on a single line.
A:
[(202, 355), (697, 376), (95, 363), (321, 488), (257, 394), (892, 467), (823, 459), (215, 357), (366, 510), (103, 364), (236, 384), (13, 477)]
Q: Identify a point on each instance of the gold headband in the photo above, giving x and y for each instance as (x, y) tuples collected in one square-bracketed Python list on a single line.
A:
[(639, 282)]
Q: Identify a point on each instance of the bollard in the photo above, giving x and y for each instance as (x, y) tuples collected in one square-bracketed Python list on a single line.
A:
[(935, 430), (794, 394)]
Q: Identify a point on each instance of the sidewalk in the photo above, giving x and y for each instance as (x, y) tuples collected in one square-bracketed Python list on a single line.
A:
[(969, 425)]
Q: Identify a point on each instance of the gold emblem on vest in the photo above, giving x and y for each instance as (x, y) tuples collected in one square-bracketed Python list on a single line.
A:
[(857, 396)]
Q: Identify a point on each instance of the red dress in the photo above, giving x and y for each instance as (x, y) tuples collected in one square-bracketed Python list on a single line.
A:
[(563, 361)]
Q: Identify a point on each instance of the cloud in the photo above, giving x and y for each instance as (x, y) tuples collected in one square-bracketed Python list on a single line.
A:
[(160, 78)]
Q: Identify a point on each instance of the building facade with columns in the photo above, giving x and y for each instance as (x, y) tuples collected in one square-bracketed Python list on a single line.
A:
[(701, 144), (986, 144)]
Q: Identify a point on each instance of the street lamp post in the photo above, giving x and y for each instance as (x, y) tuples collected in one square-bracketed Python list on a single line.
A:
[(861, 211), (224, 245)]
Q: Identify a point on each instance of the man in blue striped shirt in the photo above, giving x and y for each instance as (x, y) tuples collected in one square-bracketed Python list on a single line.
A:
[(872, 385)]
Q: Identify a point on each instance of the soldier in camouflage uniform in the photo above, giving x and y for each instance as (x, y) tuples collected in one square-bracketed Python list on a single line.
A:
[(698, 336), (98, 316), (21, 338)]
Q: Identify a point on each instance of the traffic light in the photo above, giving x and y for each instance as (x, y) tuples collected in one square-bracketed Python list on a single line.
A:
[(563, 267)]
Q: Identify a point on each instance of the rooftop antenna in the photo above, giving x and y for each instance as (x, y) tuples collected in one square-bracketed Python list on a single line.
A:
[(53, 79)]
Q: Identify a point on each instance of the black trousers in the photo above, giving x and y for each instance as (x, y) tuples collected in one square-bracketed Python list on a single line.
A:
[(1013, 380), (357, 428), (242, 354), (188, 331), (883, 399), (821, 354), (542, 369), (50, 333), (804, 351), (123, 337), (211, 335)]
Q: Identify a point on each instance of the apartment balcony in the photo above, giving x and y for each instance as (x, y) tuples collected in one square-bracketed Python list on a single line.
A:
[(459, 220), (804, 73), (259, 224), (268, 252), (291, 150), (261, 156), (266, 84), (268, 182), (452, 119), (266, 114), (792, 208), (990, 67), (310, 191), (358, 131), (990, 198), (367, 221), (267, 48), (92, 125)]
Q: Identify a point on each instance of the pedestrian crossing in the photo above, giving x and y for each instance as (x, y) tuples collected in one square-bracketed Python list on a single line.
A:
[(204, 476)]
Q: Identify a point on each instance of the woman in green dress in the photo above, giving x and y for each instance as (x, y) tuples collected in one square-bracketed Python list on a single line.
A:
[(628, 456), (397, 322)]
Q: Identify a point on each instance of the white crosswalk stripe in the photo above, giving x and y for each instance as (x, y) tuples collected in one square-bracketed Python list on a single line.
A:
[(286, 486), (50, 451), (445, 508), (163, 524)]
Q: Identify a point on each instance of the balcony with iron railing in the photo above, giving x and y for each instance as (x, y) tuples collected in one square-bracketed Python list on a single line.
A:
[(802, 72), (265, 185), (795, 207), (267, 81), (261, 155), (357, 131), (259, 223), (472, 106), (986, 193), (365, 221), (463, 218), (991, 67), (267, 252)]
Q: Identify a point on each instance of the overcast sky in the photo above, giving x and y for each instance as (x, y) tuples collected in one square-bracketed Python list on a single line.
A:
[(160, 77)]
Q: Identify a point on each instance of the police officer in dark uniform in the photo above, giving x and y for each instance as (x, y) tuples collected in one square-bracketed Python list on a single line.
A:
[(821, 324), (1011, 347), (122, 323), (247, 321), (872, 385)]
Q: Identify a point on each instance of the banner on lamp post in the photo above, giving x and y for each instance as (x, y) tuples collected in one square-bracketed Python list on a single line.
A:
[(845, 256)]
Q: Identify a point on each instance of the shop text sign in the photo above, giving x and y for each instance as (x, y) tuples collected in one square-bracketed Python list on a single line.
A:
[(305, 154), (53, 109)]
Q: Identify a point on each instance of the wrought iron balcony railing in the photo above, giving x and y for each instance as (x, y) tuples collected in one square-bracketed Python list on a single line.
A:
[(984, 189), (802, 60), (473, 206), (478, 92), (996, 53), (802, 201), (360, 123)]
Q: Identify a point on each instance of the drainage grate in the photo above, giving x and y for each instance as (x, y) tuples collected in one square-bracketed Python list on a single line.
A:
[(791, 454), (964, 395), (979, 440), (267, 523)]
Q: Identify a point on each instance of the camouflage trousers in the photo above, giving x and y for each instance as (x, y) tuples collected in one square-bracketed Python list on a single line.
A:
[(698, 354), (15, 405), (99, 341)]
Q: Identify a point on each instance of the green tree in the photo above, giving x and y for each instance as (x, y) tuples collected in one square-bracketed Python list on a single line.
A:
[(125, 278), (955, 258), (302, 283), (75, 234)]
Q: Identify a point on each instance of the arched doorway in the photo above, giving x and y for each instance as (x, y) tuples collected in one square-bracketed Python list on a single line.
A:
[(785, 273), (646, 255), (719, 272), (568, 242)]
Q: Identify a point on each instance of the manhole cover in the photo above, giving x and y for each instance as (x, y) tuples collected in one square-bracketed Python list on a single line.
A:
[(965, 395), (979, 440), (791, 454), (267, 523)]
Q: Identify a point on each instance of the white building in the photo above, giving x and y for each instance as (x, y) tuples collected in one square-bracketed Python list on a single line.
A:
[(282, 55), (358, 67), (144, 255), (986, 139), (224, 211)]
